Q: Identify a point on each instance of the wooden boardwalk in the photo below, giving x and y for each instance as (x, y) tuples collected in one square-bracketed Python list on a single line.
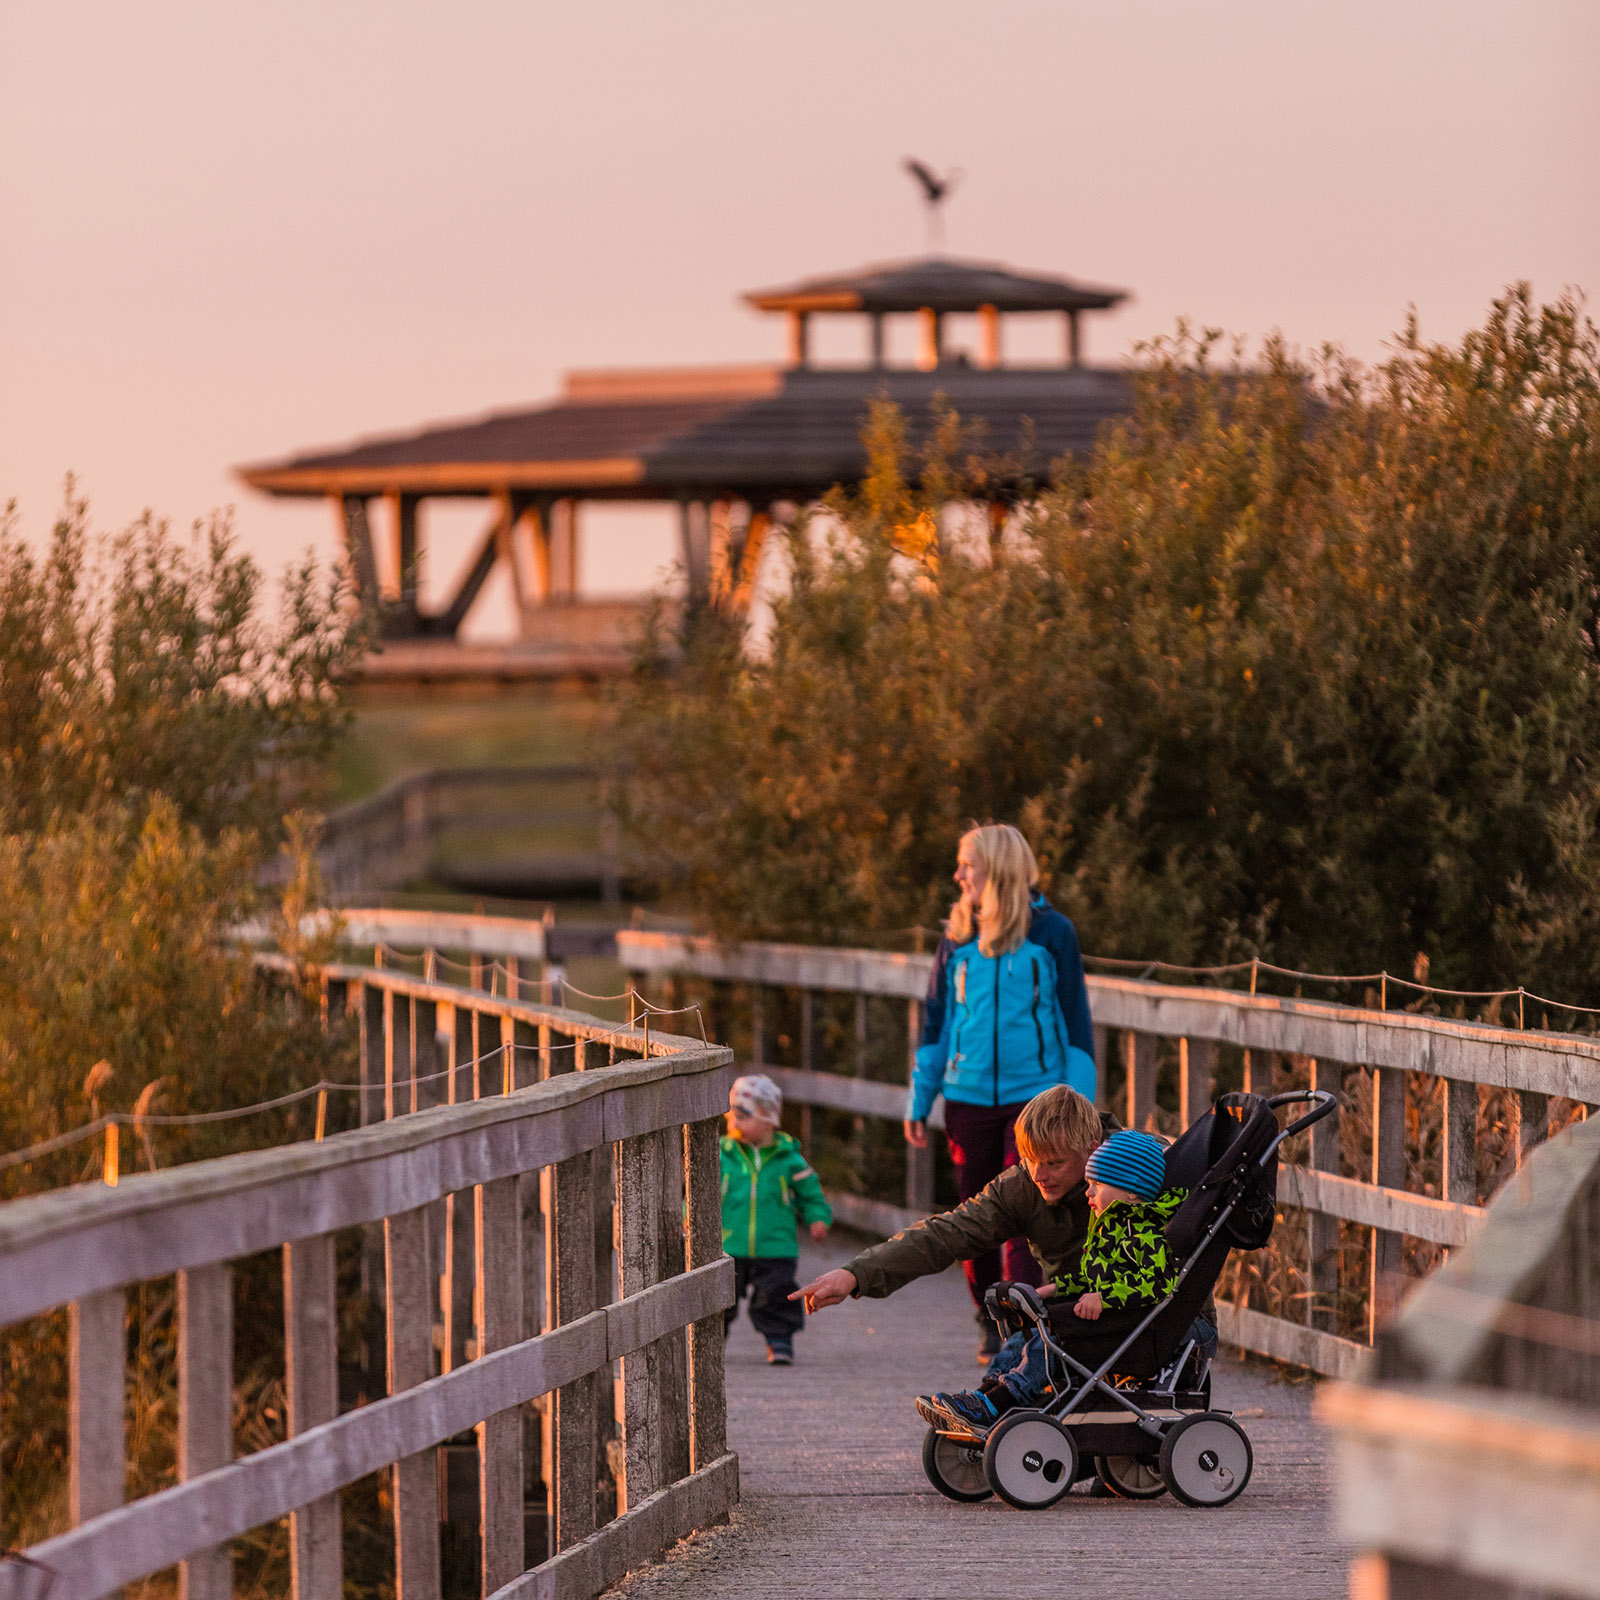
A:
[(835, 1505)]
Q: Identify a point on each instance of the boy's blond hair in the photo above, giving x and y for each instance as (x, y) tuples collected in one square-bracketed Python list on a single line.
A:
[(1058, 1123)]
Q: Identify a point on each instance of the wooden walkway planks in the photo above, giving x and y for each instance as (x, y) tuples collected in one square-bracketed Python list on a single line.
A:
[(835, 1506)]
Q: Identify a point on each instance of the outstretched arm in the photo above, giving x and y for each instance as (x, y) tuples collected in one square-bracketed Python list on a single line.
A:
[(828, 1290)]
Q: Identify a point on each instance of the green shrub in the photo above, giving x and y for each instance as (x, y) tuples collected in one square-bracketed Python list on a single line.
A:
[(1300, 662)]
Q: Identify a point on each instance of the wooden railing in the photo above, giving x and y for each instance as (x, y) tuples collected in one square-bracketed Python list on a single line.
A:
[(1137, 1026), (496, 1137), (1471, 1467), (393, 837)]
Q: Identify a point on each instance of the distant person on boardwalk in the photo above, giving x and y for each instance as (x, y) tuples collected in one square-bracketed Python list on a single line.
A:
[(1007, 1015), (1043, 1201), (768, 1192)]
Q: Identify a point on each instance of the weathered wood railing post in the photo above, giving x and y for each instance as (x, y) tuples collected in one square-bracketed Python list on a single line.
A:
[(638, 1165), (97, 1355), (316, 1562), (919, 1163), (1389, 1172), (1460, 1142), (1197, 1078), (1322, 1231), (499, 1324), (409, 1320), (205, 1408), (708, 1414), (571, 1251), (1139, 1064)]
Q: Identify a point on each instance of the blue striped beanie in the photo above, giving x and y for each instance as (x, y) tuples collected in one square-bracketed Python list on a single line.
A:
[(1133, 1161)]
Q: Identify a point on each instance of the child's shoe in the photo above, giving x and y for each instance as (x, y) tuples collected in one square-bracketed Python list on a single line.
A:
[(962, 1408), (780, 1353)]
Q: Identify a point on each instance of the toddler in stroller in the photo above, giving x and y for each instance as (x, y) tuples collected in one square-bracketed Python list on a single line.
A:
[(1130, 1391)]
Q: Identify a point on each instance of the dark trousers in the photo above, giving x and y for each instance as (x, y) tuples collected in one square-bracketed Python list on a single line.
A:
[(983, 1142), (770, 1281)]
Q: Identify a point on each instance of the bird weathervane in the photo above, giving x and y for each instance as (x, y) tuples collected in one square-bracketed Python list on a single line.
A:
[(935, 191)]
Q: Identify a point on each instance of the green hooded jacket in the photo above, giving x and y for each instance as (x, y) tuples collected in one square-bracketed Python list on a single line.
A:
[(767, 1192)]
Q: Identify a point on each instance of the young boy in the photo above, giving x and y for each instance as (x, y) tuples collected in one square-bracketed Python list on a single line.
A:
[(1126, 1266), (767, 1191)]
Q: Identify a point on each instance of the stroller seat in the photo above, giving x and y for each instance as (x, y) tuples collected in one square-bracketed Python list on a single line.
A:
[(1130, 1394)]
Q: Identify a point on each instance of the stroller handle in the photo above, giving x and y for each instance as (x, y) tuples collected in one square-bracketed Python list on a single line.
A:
[(1322, 1104)]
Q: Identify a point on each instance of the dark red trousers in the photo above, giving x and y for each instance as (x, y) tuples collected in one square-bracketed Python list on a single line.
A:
[(983, 1141)]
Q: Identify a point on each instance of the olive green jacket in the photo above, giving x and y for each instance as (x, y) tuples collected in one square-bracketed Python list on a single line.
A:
[(1010, 1207)]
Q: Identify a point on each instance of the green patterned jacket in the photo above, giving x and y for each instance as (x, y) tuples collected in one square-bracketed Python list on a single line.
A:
[(1126, 1258)]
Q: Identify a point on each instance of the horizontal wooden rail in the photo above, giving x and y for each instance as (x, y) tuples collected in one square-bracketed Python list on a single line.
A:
[(153, 1533), (422, 930), (497, 1137)]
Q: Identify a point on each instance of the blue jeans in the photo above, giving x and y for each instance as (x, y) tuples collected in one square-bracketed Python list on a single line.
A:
[(1019, 1364)]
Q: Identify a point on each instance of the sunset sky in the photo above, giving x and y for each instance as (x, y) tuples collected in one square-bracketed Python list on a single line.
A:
[(231, 231)]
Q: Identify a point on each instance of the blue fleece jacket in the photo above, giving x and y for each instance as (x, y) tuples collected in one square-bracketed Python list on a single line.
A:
[(996, 1030)]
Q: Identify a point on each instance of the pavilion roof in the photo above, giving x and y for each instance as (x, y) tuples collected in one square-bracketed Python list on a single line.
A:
[(783, 433), (936, 283)]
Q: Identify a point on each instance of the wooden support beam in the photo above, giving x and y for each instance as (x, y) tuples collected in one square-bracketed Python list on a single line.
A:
[(799, 331), (540, 523), (355, 533), (878, 350), (988, 337), (749, 569), (407, 551), (450, 619), (316, 1559), (205, 1408), (564, 550), (1102, 1058), (930, 339), (1074, 340), (694, 540)]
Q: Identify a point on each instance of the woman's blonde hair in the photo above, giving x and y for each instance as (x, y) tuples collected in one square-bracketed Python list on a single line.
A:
[(1011, 872)]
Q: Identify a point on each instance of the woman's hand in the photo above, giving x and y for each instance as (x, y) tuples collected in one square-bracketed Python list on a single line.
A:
[(1089, 1306), (917, 1135), (828, 1290), (819, 1231)]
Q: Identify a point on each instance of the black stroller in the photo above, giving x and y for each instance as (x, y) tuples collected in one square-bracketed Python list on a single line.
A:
[(1139, 1417)]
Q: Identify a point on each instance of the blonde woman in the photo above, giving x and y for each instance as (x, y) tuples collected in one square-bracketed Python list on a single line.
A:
[(1007, 1016)]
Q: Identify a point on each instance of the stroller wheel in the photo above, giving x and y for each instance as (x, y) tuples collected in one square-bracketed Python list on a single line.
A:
[(1030, 1460), (1206, 1459), (1130, 1477), (955, 1469)]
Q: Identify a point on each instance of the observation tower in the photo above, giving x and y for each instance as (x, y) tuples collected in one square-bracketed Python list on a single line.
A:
[(731, 448)]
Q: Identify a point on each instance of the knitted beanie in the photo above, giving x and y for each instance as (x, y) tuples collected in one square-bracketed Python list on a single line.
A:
[(1132, 1161), (757, 1095)]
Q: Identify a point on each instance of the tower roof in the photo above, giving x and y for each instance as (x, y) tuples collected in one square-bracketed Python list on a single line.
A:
[(936, 283)]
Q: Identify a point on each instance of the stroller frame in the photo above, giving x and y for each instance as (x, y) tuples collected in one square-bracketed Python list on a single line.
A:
[(1138, 1431)]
